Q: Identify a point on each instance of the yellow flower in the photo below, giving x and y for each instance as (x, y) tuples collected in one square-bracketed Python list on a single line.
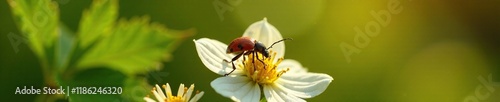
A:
[(183, 94)]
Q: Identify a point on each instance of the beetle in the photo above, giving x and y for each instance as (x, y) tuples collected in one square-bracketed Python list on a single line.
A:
[(245, 46)]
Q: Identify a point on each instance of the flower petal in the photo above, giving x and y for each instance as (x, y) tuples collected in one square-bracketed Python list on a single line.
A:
[(298, 82), (267, 34), (271, 95), (295, 67), (197, 97), (304, 85), (180, 92), (238, 88), (159, 90), (274, 94), (168, 90), (147, 99), (158, 97), (212, 53), (187, 95)]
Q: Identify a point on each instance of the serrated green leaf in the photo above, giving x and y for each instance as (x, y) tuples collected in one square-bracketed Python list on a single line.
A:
[(98, 21), (38, 21), (135, 46), (102, 50)]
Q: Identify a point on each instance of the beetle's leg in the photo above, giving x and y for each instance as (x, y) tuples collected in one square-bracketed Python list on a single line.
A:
[(253, 60), (234, 58), (232, 62), (260, 61), (248, 53), (243, 62), (244, 59)]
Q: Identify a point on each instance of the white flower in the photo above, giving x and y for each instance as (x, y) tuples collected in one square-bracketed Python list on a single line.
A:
[(280, 79), (183, 94)]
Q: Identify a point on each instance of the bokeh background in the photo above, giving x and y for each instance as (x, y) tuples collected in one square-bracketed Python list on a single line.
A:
[(432, 51)]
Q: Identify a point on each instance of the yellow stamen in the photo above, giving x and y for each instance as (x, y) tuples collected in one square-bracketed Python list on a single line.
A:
[(264, 72), (170, 97), (185, 91)]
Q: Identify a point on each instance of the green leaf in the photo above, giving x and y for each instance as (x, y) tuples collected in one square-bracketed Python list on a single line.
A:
[(135, 46), (102, 53), (38, 22), (65, 45), (97, 22)]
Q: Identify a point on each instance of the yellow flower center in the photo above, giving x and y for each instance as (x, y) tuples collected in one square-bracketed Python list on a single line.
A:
[(174, 98), (262, 70), (178, 98)]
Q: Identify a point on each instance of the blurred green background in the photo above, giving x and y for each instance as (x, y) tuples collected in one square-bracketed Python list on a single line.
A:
[(432, 51)]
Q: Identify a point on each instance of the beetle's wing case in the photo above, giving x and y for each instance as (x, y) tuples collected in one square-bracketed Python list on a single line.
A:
[(241, 44)]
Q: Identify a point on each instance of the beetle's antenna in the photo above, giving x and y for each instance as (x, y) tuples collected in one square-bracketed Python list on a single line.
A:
[(278, 42)]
